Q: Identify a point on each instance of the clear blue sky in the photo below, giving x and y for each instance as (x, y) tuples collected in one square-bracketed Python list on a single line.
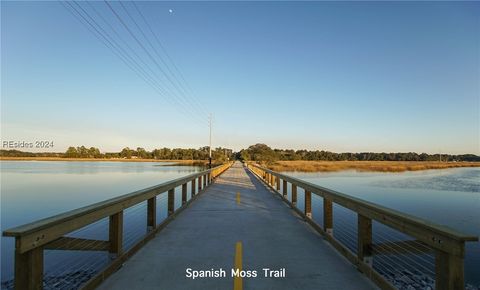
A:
[(345, 76)]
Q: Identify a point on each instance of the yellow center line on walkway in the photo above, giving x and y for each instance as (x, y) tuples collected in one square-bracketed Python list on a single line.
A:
[(238, 197), (237, 280)]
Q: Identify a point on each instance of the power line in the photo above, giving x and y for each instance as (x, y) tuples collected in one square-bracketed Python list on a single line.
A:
[(199, 104), (158, 86), (180, 88), (117, 49), (137, 40)]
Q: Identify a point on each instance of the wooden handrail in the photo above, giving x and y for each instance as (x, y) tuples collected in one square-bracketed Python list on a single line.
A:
[(357, 204), (123, 201), (448, 244), (73, 214)]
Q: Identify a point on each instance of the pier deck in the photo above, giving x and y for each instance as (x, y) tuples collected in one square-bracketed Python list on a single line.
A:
[(238, 208)]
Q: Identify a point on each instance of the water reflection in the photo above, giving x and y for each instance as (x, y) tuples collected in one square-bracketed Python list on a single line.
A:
[(33, 190)]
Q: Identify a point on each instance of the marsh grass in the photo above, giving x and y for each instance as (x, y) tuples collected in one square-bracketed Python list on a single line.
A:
[(378, 166)]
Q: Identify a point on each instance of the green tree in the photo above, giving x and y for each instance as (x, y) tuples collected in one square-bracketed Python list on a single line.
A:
[(126, 153), (94, 153), (71, 152), (262, 153), (142, 153), (82, 152)]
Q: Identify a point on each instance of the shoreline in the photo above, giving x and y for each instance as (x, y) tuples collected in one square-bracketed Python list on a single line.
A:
[(365, 166), (288, 166), (98, 159)]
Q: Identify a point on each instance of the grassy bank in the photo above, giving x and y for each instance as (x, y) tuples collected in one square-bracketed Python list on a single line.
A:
[(379, 166)]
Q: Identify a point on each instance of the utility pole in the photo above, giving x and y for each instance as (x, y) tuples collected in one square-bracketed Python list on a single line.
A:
[(210, 146)]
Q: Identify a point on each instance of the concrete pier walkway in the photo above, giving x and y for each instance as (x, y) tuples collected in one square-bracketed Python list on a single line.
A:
[(238, 208)]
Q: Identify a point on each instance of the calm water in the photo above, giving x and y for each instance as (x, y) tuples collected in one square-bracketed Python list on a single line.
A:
[(450, 197), (34, 190)]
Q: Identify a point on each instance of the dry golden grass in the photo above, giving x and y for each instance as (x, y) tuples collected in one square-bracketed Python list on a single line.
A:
[(379, 166)]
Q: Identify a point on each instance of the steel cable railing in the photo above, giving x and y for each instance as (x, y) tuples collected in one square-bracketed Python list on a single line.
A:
[(162, 207), (345, 225), (90, 264), (317, 209), (75, 267)]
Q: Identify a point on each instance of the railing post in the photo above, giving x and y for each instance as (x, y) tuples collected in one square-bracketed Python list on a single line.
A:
[(327, 216), (193, 187), (308, 204), (28, 268), (285, 188), (115, 233), (204, 181), (294, 194), (171, 201), (184, 193), (449, 271), (151, 213), (364, 240), (199, 184), (278, 184)]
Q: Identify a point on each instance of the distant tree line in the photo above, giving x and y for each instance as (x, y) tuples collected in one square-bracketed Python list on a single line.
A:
[(218, 154), (257, 152), (83, 152), (262, 152), (18, 153)]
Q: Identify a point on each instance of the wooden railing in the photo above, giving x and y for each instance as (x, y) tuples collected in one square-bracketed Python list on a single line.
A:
[(32, 239), (448, 245)]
